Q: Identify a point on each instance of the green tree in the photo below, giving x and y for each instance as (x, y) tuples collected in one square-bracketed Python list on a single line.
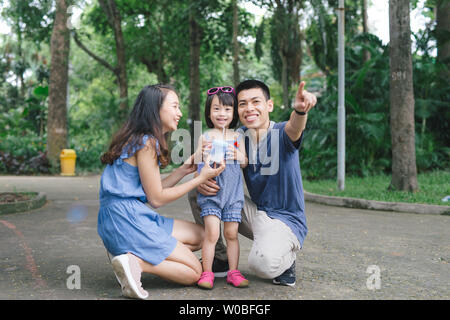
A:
[(30, 21), (112, 16), (58, 83), (404, 169), (285, 42)]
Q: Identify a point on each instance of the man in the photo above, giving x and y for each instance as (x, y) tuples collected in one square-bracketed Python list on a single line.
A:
[(274, 215)]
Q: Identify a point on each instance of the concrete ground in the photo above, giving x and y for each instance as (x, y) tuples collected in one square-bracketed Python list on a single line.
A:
[(348, 253)]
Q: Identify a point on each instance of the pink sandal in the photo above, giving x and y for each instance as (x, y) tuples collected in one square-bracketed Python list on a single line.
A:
[(206, 280), (237, 279)]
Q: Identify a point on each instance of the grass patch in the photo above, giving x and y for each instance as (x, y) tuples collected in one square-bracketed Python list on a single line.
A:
[(12, 197), (433, 187)]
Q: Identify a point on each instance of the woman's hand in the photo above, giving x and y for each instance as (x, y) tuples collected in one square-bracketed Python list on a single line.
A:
[(208, 173), (205, 148), (189, 166)]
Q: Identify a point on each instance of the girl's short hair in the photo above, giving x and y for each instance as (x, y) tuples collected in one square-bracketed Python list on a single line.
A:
[(143, 120), (225, 99)]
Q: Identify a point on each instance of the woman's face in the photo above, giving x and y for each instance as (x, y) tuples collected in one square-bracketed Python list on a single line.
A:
[(170, 112), (220, 115)]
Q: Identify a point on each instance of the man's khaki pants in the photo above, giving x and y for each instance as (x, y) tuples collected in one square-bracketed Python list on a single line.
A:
[(274, 244)]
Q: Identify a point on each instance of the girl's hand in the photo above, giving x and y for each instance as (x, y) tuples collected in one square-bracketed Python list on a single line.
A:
[(208, 173), (235, 154)]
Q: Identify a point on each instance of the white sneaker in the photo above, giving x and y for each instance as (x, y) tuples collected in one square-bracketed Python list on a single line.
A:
[(128, 272), (110, 257)]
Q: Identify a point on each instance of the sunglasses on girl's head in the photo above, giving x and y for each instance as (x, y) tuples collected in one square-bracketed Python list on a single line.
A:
[(223, 89)]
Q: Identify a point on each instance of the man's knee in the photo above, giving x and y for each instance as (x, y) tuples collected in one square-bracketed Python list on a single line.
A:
[(195, 209), (192, 196), (265, 265)]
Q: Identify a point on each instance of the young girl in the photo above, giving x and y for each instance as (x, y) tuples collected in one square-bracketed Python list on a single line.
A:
[(139, 238), (221, 115)]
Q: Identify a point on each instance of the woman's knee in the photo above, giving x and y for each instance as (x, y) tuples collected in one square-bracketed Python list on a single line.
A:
[(190, 277), (199, 235), (187, 267), (188, 233)]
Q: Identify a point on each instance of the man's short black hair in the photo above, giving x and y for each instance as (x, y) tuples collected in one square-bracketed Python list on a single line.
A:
[(253, 84)]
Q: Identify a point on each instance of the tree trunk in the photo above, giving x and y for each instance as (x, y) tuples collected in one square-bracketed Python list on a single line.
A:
[(443, 34), (285, 79), (21, 59), (364, 16), (59, 77), (115, 20), (296, 50), (194, 74), (236, 76), (404, 170), (161, 73), (365, 26)]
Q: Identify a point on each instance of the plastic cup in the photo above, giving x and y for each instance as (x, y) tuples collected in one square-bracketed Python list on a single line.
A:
[(218, 150)]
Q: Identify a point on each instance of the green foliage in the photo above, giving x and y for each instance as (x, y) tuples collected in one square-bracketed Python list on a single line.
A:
[(434, 186), (285, 38), (156, 35), (22, 137), (31, 19), (368, 143), (367, 123), (23, 154)]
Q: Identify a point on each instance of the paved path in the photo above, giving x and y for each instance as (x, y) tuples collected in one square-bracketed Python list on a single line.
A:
[(411, 252)]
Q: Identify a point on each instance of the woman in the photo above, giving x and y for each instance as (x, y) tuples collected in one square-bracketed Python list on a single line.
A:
[(139, 238)]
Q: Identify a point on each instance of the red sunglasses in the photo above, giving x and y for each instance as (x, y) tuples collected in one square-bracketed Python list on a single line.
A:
[(223, 89)]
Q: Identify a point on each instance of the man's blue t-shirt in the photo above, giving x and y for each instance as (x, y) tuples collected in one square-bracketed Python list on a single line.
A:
[(273, 177)]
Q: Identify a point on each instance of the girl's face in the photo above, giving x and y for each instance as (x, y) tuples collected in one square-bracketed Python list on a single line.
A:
[(170, 112), (220, 115)]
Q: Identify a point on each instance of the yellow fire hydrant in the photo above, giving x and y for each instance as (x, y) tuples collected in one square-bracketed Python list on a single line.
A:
[(68, 158)]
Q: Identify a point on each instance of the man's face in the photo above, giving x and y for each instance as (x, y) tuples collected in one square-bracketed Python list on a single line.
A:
[(254, 109)]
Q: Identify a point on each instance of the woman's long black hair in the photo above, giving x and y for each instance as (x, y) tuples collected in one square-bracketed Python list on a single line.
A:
[(143, 119)]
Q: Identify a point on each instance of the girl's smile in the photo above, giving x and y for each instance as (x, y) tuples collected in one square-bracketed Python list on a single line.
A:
[(221, 116)]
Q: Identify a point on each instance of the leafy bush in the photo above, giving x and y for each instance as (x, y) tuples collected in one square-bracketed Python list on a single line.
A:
[(23, 138), (23, 155), (368, 142)]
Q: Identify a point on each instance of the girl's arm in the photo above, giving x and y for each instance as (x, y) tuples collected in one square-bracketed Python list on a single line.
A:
[(241, 148), (239, 153), (158, 195)]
